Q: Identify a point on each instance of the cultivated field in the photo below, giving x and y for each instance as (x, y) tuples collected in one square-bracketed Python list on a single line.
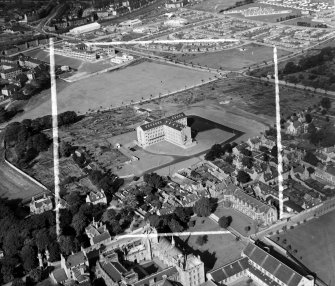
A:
[(315, 245), (219, 249), (239, 222), (233, 59), (265, 18), (114, 88)]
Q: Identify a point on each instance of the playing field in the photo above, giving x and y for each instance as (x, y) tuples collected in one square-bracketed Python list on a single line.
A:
[(219, 250), (13, 185), (213, 5), (315, 245), (124, 86), (239, 222), (233, 59)]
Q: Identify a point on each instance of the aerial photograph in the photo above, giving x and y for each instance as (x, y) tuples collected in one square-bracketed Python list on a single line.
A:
[(167, 142)]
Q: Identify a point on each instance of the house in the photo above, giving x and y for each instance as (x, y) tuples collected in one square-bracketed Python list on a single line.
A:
[(98, 234), (294, 128), (327, 174), (10, 73), (254, 143), (76, 267), (97, 197), (9, 90), (41, 204)]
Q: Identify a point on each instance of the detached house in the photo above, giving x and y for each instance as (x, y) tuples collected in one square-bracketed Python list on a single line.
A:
[(294, 128), (97, 197), (98, 234), (40, 205)]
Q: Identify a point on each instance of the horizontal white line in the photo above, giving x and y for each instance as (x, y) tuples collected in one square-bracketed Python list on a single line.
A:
[(160, 42), (186, 233)]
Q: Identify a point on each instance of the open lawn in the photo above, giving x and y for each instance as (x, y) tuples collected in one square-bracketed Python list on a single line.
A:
[(13, 185), (213, 5), (219, 249), (114, 88), (233, 59), (239, 222), (315, 245)]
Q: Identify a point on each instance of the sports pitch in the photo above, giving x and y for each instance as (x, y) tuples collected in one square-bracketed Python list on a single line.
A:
[(315, 245), (111, 89)]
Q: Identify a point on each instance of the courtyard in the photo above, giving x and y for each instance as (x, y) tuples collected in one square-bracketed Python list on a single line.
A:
[(218, 250)]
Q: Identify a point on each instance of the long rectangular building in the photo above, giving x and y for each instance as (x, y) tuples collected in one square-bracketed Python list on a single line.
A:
[(173, 129)]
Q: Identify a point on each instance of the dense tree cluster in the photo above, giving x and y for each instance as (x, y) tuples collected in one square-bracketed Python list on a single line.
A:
[(311, 158), (204, 206), (311, 61), (243, 177), (21, 238), (26, 138), (154, 180), (324, 137), (175, 222), (217, 150), (6, 115)]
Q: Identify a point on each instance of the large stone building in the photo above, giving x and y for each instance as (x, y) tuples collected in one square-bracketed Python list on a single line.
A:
[(262, 267), (250, 206), (186, 269), (40, 204), (173, 129)]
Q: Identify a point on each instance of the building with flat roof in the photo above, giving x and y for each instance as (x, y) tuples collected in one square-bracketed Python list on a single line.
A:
[(85, 28), (173, 129)]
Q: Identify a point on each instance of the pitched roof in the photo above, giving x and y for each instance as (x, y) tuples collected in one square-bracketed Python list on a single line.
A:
[(277, 268), (59, 275), (76, 259), (101, 237), (157, 276), (114, 270), (229, 270), (260, 206)]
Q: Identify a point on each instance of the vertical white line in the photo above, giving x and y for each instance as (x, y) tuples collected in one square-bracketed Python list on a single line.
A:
[(55, 132), (279, 145)]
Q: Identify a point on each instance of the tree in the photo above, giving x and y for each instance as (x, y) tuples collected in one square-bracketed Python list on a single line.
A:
[(311, 158), (65, 149), (310, 170), (224, 221), (247, 228), (35, 275), (154, 180), (229, 159), (54, 252), (155, 221), (247, 162), (203, 207), (202, 239), (28, 255), (274, 151), (42, 239), (308, 118), (79, 222), (325, 102), (18, 282), (66, 244), (243, 177)]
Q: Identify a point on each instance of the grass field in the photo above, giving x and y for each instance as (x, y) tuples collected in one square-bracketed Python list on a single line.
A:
[(233, 59), (213, 5), (13, 185), (113, 88), (239, 222), (315, 243), (219, 249)]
